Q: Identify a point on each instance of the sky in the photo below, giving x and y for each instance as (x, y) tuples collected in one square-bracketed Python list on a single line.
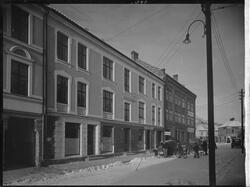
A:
[(156, 32)]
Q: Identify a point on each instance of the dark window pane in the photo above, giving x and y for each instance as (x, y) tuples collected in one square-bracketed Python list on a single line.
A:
[(126, 80), (153, 90), (62, 89), (72, 139), (107, 131), (141, 110), (107, 101), (19, 78), (19, 24), (37, 31), (141, 84), (81, 94), (62, 47), (107, 68), (82, 57), (126, 111)]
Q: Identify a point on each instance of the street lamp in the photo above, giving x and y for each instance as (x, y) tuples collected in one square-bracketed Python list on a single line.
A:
[(207, 30)]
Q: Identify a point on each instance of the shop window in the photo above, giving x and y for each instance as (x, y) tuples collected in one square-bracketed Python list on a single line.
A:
[(107, 132), (72, 139), (19, 78), (62, 89), (19, 24)]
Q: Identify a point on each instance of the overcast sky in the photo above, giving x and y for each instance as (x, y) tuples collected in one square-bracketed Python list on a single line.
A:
[(156, 32)]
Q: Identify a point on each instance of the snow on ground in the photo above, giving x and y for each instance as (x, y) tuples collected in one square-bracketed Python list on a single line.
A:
[(103, 175)]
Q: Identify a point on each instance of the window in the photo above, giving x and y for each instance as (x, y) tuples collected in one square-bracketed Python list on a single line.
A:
[(141, 84), (81, 94), (153, 90), (62, 46), (107, 131), (19, 78), (159, 93), (107, 101), (107, 68), (72, 139), (141, 110), (62, 89), (82, 56), (126, 111), (140, 135), (126, 80), (159, 116), (19, 24), (37, 34), (153, 115)]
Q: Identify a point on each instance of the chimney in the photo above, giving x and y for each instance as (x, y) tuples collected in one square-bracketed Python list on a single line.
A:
[(175, 77), (163, 70), (231, 119), (134, 55)]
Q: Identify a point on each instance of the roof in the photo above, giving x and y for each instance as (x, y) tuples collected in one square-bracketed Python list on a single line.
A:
[(231, 124), (95, 37), (158, 72)]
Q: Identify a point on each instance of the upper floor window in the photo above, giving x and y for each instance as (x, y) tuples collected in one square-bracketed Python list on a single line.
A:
[(107, 68), (141, 110), (127, 111), (141, 84), (19, 24), (62, 89), (153, 90), (159, 93), (126, 80), (81, 94), (159, 116), (19, 78), (82, 56), (107, 101), (153, 115), (62, 46)]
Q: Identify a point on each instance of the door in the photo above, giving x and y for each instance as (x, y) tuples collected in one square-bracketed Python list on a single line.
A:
[(126, 139), (91, 140)]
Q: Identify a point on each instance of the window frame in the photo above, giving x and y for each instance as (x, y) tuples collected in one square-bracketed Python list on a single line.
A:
[(83, 94), (111, 72), (144, 84), (144, 111), (129, 80), (129, 111), (80, 139), (153, 90), (153, 115), (159, 116), (104, 102), (77, 58), (67, 84)]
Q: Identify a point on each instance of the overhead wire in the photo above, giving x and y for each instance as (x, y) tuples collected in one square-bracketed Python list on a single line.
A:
[(223, 53), (138, 22), (178, 44)]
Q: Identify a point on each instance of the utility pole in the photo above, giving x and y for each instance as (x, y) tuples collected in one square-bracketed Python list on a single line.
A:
[(242, 118), (212, 176)]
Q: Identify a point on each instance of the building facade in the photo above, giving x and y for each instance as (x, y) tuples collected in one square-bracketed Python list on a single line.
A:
[(99, 100), (229, 130), (179, 111), (22, 85)]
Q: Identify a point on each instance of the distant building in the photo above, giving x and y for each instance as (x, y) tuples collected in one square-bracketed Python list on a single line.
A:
[(201, 131), (228, 130)]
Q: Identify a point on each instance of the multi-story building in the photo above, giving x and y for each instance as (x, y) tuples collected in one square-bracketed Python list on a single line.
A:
[(99, 100), (22, 85), (179, 110)]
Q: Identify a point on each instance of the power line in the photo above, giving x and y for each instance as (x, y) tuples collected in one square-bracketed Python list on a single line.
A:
[(223, 53), (175, 38), (138, 22)]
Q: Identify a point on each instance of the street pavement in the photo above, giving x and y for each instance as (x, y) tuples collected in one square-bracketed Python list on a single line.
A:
[(148, 169)]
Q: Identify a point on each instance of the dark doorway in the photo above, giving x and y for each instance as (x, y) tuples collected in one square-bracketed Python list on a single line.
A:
[(126, 139), (91, 141), (19, 143), (158, 138), (148, 139)]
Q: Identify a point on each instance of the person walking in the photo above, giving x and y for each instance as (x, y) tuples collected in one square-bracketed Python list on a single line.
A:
[(196, 150)]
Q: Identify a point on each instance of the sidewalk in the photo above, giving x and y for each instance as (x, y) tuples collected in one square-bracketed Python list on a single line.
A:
[(32, 174)]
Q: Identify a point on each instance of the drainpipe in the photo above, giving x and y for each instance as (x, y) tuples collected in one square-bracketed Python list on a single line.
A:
[(45, 80)]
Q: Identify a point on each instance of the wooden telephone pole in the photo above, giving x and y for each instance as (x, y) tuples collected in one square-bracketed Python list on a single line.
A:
[(242, 119)]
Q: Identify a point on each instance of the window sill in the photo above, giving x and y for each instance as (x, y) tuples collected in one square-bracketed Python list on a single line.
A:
[(108, 80), (82, 70), (63, 62)]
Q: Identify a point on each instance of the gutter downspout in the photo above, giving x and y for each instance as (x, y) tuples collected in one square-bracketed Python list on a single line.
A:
[(45, 78)]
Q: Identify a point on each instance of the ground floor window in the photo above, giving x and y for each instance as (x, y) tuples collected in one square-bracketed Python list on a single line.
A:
[(72, 139), (107, 138)]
